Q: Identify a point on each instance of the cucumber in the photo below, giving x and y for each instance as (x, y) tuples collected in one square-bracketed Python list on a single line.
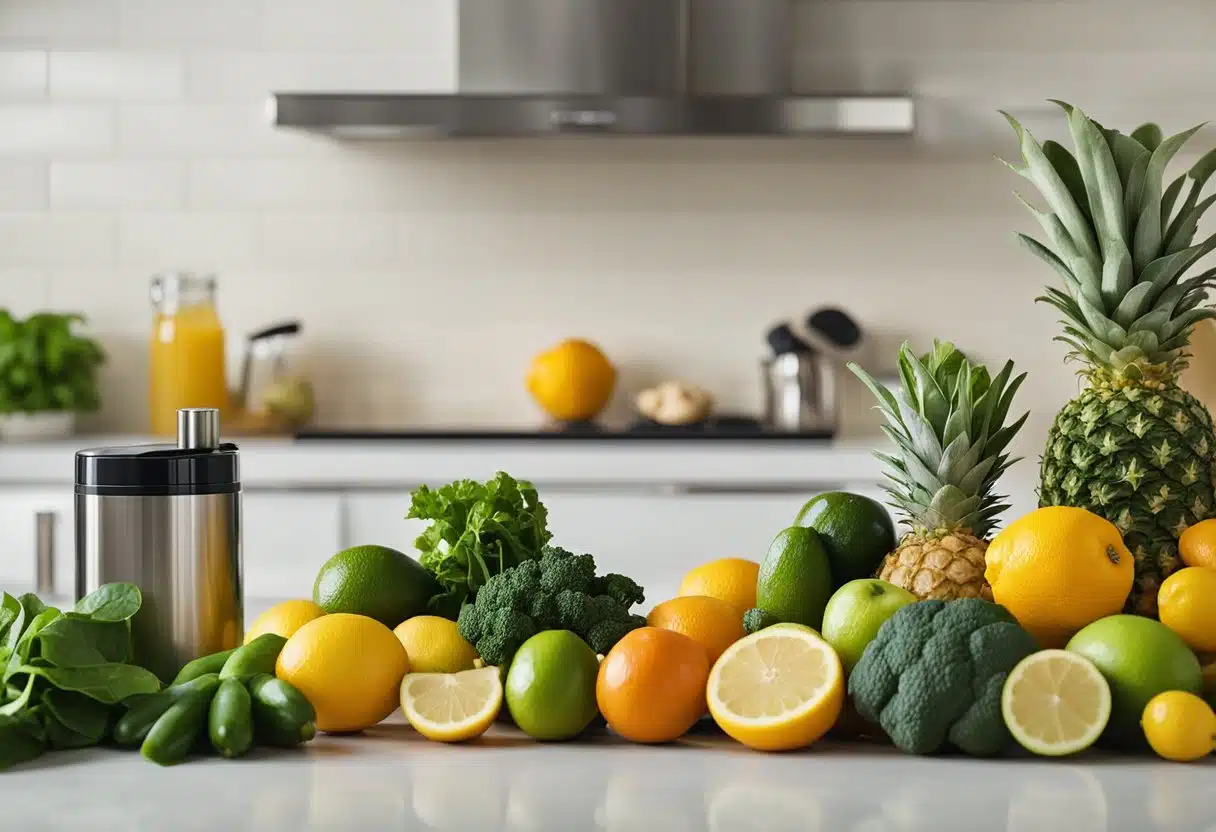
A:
[(132, 727), (258, 656), (202, 666), (177, 731), (230, 720), (282, 716)]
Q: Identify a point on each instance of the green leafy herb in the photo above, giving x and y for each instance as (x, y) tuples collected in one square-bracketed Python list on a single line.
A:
[(477, 530), (46, 366), (64, 673), (112, 602)]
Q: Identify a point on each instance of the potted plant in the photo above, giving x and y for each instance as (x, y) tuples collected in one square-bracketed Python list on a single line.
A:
[(48, 374)]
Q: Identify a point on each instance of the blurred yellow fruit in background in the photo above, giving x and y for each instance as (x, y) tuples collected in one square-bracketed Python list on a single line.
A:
[(573, 381), (284, 619), (1186, 603), (732, 580), (1197, 546)]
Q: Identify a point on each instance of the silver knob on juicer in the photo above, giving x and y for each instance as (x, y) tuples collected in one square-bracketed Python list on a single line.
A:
[(198, 428)]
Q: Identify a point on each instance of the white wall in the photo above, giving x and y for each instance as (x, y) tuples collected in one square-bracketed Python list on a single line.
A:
[(132, 139)]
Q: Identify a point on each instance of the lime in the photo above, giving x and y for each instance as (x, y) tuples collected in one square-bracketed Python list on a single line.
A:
[(795, 578), (551, 685), (1140, 658), (375, 581), (856, 532), (1055, 703), (856, 611)]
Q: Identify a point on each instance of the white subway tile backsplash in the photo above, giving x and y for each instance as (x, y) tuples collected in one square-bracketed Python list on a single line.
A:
[(23, 184), (58, 128), (304, 184), (128, 184), (237, 76), (116, 76), (415, 27), (58, 23), (343, 240), (199, 24), (188, 241), (57, 239), (232, 129), (22, 74), (23, 291)]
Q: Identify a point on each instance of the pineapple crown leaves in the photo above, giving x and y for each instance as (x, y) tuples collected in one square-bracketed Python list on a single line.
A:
[(947, 422), (1121, 243)]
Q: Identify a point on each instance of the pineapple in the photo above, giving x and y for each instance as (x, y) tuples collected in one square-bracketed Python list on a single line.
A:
[(1133, 447), (948, 426)]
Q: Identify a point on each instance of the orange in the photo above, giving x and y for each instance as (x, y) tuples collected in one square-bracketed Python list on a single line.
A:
[(711, 622), (349, 667), (1186, 603), (1059, 569), (651, 685), (1197, 546), (573, 381), (732, 580)]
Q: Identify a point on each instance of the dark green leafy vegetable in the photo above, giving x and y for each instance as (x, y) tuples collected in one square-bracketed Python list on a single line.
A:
[(63, 673), (46, 365), (560, 591), (477, 530)]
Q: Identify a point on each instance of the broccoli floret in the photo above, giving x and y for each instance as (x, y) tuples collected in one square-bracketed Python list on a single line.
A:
[(625, 591), (756, 619), (558, 592), (603, 636)]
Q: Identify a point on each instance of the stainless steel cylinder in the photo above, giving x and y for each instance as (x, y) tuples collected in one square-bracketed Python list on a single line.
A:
[(799, 392), (184, 553), (198, 428)]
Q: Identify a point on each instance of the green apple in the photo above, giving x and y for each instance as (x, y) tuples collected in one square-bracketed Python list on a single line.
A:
[(856, 611)]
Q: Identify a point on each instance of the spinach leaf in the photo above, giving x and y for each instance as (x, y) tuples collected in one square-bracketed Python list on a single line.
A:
[(10, 611), (73, 640), (32, 605), (24, 649), (61, 737), (15, 627), (15, 705), (76, 712), (109, 683), (112, 602), (21, 739)]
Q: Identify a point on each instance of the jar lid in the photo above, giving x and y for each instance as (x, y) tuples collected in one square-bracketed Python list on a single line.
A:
[(158, 470)]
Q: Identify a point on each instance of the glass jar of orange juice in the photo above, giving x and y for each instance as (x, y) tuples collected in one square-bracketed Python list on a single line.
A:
[(187, 351)]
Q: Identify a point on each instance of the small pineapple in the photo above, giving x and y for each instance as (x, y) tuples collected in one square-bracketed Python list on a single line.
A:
[(948, 426), (1133, 447)]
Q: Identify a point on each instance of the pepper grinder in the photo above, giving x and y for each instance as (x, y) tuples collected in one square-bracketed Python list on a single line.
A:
[(167, 518)]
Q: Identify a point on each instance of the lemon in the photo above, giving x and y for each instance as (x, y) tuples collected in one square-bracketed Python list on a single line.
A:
[(1179, 726), (283, 619), (778, 689), (732, 580), (1055, 703), (348, 666), (434, 645), (1186, 603), (573, 381), (452, 707)]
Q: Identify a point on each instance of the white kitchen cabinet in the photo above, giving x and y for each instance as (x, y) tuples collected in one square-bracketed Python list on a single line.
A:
[(287, 537), (651, 535), (20, 511)]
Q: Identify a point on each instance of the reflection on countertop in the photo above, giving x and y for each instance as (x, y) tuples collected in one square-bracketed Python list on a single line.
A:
[(391, 779)]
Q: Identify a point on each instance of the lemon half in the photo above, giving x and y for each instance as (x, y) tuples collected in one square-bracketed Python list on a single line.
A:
[(1055, 703), (452, 707), (776, 690)]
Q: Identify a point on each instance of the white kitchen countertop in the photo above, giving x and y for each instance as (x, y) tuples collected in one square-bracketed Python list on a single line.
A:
[(391, 779), (284, 463)]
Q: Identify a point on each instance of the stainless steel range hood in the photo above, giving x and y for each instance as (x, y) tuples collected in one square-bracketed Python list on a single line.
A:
[(608, 67)]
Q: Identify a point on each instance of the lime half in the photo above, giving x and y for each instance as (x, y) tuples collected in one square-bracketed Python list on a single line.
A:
[(1055, 703)]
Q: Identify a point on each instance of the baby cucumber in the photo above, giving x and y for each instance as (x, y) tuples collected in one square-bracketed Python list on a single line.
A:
[(132, 727), (258, 656), (282, 715), (202, 666), (230, 721), (178, 730)]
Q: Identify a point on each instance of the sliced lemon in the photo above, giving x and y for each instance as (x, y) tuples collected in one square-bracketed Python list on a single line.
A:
[(1055, 703), (778, 689), (452, 707)]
